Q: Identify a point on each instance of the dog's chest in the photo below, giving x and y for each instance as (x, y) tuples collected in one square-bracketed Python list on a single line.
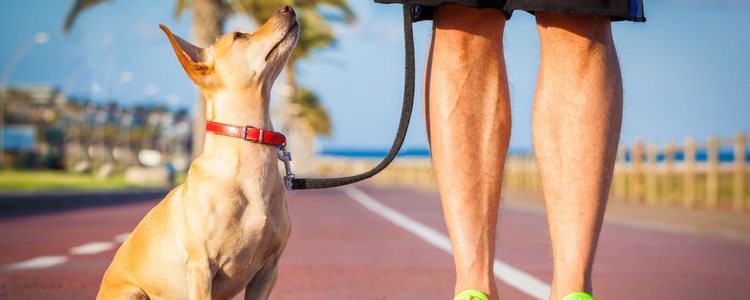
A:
[(246, 244), (254, 233)]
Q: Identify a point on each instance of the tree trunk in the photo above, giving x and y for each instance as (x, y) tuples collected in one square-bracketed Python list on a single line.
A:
[(301, 137), (289, 113), (208, 21), (291, 90)]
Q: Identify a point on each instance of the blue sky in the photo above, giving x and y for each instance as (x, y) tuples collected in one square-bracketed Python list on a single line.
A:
[(685, 70)]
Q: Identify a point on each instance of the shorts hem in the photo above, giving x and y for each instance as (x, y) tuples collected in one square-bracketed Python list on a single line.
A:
[(615, 15), (425, 13)]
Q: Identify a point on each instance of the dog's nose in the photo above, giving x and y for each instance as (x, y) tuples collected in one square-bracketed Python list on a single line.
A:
[(286, 9)]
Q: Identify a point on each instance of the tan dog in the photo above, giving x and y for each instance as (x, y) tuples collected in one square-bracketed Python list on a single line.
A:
[(224, 229)]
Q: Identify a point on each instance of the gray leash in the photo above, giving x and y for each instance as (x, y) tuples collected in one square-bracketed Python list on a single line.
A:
[(293, 183)]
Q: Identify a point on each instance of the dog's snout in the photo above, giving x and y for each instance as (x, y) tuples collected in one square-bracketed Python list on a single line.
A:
[(286, 9)]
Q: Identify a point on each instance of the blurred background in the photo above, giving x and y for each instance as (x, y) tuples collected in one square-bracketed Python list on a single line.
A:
[(91, 87), (92, 100)]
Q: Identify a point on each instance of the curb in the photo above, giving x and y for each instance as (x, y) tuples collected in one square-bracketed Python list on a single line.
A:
[(14, 204)]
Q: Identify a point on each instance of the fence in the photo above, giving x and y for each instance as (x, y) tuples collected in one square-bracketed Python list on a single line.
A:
[(691, 175), (711, 174)]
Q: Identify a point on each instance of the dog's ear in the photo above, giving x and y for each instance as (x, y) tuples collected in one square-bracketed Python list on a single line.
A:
[(193, 59)]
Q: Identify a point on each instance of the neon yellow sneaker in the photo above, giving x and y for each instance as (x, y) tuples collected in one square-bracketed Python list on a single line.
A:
[(471, 295), (579, 296)]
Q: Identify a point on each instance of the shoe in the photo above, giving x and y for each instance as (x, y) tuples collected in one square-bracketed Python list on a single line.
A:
[(579, 296), (471, 295)]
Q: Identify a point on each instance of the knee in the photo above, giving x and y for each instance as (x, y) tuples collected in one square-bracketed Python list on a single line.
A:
[(464, 26), (582, 32)]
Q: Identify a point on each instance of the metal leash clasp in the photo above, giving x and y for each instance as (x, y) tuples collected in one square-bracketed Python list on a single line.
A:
[(286, 157)]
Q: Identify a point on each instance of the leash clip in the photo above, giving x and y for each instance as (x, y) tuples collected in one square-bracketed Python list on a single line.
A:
[(286, 157)]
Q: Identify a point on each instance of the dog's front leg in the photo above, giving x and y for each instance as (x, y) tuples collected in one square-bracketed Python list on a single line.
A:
[(260, 287), (199, 278)]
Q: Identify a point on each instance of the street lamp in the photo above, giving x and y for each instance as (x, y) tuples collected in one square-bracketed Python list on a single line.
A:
[(38, 39)]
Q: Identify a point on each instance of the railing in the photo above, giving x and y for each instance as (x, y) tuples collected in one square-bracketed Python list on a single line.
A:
[(654, 175), (690, 175), (693, 175)]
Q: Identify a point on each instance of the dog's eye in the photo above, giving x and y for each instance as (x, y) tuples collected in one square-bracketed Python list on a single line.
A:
[(238, 35)]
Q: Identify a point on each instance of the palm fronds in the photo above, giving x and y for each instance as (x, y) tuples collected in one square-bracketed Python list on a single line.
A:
[(78, 7), (312, 111)]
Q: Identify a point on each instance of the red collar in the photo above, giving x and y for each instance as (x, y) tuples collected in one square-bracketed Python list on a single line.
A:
[(248, 133)]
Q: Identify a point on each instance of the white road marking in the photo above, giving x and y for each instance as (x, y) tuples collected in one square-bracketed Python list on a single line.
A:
[(92, 248), (512, 276), (53, 260), (120, 238), (40, 262)]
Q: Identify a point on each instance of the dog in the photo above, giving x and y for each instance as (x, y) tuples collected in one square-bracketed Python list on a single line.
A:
[(223, 230)]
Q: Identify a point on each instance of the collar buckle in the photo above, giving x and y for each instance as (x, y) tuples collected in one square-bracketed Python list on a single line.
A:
[(246, 134)]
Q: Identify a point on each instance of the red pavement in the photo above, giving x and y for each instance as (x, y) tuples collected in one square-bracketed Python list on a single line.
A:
[(341, 250)]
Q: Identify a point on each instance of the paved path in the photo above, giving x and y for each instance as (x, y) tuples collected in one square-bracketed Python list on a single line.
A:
[(373, 243)]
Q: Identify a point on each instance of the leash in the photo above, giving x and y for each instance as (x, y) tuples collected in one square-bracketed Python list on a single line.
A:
[(293, 183)]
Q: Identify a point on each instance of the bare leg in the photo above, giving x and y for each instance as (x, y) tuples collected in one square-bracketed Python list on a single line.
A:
[(576, 128), (468, 120)]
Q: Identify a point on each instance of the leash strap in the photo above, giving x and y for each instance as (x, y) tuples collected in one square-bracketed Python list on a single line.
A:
[(322, 183)]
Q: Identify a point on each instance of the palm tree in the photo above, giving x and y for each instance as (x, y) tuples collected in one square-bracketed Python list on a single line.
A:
[(207, 23), (303, 116), (316, 34)]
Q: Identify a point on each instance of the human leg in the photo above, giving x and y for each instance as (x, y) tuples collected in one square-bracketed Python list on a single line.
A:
[(468, 119), (576, 126)]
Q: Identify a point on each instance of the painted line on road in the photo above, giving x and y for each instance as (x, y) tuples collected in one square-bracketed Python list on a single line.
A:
[(40, 262), (120, 238), (92, 248), (510, 275)]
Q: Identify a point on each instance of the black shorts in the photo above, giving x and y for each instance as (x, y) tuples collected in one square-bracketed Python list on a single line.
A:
[(618, 10)]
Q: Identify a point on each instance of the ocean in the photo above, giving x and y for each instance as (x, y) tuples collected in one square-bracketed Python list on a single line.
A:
[(725, 154)]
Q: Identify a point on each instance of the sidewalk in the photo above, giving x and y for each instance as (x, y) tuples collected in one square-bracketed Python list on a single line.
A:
[(392, 246), (19, 203), (715, 223)]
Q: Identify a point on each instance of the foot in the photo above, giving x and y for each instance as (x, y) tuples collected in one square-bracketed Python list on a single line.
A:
[(471, 295), (578, 296)]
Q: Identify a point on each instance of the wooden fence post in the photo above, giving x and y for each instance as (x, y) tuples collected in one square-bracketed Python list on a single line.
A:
[(525, 168), (619, 186), (529, 172), (688, 195), (521, 173), (509, 174), (738, 184), (636, 161), (712, 179), (536, 175), (651, 175), (668, 183)]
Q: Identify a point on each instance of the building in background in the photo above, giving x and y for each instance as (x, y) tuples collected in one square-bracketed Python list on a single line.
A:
[(31, 135), (45, 129)]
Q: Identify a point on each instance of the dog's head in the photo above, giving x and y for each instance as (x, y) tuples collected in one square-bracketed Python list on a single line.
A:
[(240, 60)]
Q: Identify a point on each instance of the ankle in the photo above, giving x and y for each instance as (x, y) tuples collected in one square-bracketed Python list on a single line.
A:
[(484, 285), (562, 289)]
